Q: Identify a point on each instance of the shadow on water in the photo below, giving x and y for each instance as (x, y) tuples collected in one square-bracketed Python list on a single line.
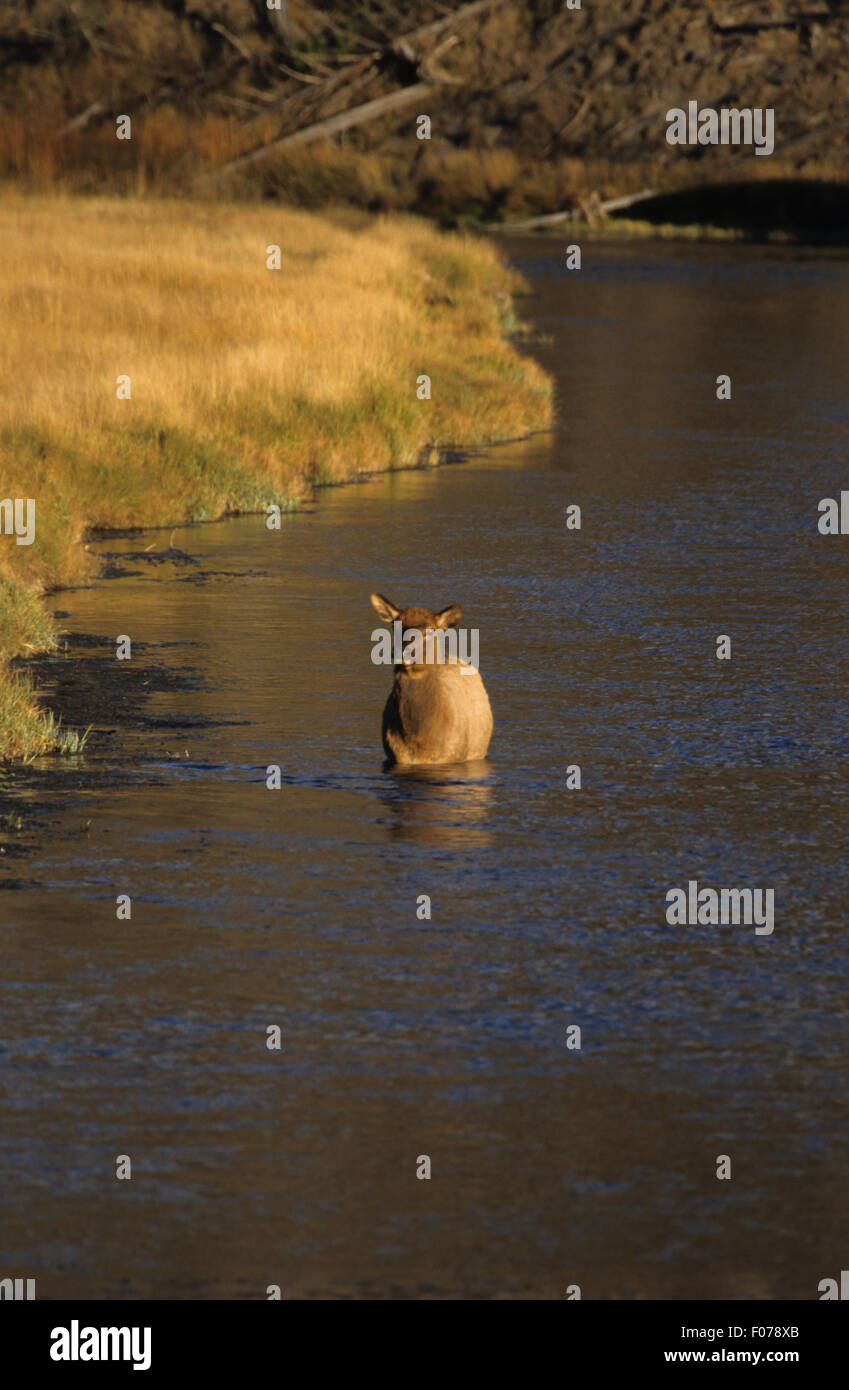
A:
[(812, 211), (449, 805)]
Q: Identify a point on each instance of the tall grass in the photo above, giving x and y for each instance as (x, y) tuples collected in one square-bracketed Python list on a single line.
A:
[(247, 383)]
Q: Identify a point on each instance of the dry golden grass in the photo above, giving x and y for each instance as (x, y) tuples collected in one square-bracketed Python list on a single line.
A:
[(248, 384)]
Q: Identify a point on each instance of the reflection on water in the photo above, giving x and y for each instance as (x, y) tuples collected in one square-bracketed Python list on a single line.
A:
[(297, 906), (449, 805)]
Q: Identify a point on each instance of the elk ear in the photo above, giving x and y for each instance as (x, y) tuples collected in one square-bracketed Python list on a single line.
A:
[(451, 616), (386, 610)]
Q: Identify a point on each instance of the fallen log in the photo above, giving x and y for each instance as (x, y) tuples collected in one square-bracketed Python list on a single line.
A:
[(81, 121), (363, 69), (551, 218), (357, 115)]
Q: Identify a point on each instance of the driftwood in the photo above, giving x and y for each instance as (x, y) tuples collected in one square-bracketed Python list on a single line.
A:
[(358, 115), (452, 20), (301, 76), (431, 73), (575, 120), (405, 47), (400, 47), (233, 41), (346, 77), (81, 121), (305, 104), (590, 207)]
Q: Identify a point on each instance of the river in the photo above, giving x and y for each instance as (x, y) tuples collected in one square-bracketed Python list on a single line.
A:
[(551, 1165)]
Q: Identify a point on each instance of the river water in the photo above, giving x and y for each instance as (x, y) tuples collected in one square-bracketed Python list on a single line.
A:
[(552, 1166)]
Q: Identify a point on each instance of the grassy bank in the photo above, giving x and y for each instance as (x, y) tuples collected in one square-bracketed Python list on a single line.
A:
[(248, 384), (633, 229)]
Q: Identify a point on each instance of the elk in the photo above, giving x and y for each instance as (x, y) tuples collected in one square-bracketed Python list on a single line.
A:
[(437, 711)]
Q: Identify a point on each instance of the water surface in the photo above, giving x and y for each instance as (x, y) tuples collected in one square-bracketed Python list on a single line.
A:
[(404, 1037)]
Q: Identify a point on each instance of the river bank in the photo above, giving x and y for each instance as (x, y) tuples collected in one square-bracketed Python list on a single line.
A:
[(531, 106), (173, 363)]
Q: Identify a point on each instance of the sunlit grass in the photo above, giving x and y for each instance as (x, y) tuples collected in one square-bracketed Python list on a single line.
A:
[(636, 229), (27, 730), (248, 384)]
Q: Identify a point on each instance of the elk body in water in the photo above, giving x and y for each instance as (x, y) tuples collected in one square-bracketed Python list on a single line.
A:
[(437, 711)]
